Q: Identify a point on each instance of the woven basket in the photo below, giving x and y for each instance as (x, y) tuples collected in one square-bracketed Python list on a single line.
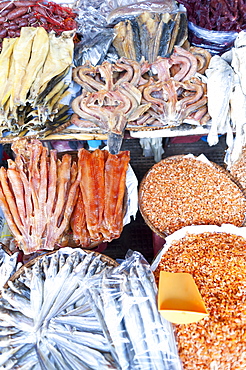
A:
[(173, 158), (21, 270)]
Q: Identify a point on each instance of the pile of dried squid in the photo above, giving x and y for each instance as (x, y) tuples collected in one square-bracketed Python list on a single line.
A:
[(43, 197), (32, 71), (162, 93)]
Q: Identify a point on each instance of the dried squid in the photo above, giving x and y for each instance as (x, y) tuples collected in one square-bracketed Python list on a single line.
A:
[(37, 196), (99, 212)]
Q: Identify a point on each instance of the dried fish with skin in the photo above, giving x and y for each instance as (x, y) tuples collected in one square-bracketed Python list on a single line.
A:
[(219, 88)]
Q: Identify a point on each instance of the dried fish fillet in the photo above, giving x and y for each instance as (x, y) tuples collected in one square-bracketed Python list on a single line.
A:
[(39, 53), (21, 56), (60, 56)]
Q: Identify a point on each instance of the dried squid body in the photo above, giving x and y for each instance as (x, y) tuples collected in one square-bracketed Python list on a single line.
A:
[(61, 329)]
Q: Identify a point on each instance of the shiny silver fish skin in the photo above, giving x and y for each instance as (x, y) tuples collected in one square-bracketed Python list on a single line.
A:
[(19, 302), (20, 288), (91, 357), (86, 324), (15, 318)]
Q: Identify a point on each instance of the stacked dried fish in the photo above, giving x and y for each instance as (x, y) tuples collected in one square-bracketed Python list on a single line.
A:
[(120, 93), (33, 67), (99, 210), (150, 35), (37, 196), (48, 321)]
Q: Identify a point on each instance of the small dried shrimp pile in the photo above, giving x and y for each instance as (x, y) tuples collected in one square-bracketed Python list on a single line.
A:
[(33, 13), (116, 94), (217, 263), (181, 191), (33, 67)]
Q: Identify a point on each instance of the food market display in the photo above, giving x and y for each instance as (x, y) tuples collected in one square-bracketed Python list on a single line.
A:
[(40, 193), (217, 262), (77, 309), (181, 191), (101, 68)]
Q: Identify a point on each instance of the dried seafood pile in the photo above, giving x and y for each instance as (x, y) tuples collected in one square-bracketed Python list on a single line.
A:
[(77, 310), (99, 210), (33, 67), (32, 13), (182, 191), (39, 193), (217, 262), (218, 16), (37, 196), (114, 95), (150, 35)]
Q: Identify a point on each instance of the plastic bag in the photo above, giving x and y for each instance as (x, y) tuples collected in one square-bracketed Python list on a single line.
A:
[(124, 301), (93, 47), (216, 42)]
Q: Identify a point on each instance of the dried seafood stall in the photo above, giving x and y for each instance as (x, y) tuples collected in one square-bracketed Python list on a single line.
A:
[(108, 70)]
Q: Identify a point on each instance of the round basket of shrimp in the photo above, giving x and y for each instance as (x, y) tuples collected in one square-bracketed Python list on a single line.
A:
[(215, 257), (187, 190), (47, 319)]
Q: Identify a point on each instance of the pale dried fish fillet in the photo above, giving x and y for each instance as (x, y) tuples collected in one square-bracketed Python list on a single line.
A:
[(40, 48), (60, 57), (21, 57)]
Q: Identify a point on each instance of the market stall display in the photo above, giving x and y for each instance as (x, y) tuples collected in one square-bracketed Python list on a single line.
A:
[(215, 257), (183, 190), (49, 319)]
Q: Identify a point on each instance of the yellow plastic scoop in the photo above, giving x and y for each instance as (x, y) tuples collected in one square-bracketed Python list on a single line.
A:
[(179, 299)]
